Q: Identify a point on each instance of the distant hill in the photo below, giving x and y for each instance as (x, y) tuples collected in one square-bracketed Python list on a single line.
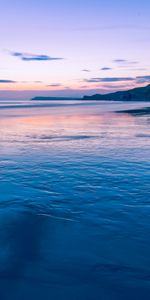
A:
[(54, 98), (137, 94)]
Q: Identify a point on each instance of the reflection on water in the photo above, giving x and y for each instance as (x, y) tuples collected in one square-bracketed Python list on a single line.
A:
[(74, 202)]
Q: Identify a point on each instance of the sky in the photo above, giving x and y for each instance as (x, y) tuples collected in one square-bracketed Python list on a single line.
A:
[(73, 48)]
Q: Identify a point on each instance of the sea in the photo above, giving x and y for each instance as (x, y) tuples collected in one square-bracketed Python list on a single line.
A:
[(74, 200)]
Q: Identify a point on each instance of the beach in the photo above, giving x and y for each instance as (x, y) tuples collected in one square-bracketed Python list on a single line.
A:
[(75, 200)]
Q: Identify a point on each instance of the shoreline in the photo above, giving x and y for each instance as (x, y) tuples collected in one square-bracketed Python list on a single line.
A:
[(136, 111)]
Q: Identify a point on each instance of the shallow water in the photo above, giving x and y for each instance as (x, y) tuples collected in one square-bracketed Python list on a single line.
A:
[(74, 201)]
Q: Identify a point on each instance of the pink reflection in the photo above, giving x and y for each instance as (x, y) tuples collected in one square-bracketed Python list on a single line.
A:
[(48, 126)]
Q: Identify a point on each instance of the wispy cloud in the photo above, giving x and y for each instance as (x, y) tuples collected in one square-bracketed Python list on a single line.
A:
[(55, 85), (106, 68), (7, 81), (109, 79), (116, 86), (143, 79), (135, 80), (120, 61), (86, 70), (33, 57)]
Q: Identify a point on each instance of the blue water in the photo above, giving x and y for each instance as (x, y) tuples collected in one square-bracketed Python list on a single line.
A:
[(74, 202)]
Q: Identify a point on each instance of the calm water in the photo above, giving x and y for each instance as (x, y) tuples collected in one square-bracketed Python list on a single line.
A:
[(74, 201)]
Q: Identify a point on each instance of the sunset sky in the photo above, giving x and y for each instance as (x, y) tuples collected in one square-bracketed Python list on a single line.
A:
[(73, 48)]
